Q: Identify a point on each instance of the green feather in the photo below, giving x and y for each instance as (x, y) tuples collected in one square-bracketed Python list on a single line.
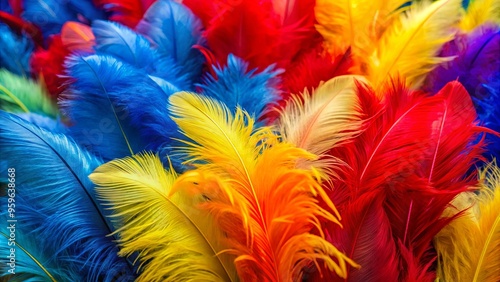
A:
[(23, 95)]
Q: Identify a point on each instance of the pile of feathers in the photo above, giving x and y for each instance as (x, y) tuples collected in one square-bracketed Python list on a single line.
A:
[(250, 140)]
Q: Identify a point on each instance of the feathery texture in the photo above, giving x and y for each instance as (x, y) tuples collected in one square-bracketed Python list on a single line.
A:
[(236, 86), (480, 12), (468, 247), (411, 45), (22, 27), (77, 37), (99, 122), (63, 199), (186, 246), (134, 49), (357, 24), (48, 65), (264, 205), (175, 30), (50, 124), (325, 119), (126, 12), (23, 95), (50, 15), (15, 52)]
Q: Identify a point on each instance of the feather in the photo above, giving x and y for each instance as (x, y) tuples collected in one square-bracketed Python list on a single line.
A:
[(21, 27), (489, 115), (357, 24), (15, 52), (77, 37), (186, 247), (125, 12), (63, 198), (100, 123), (480, 12), (473, 257), (50, 15), (47, 123), (134, 49), (313, 66), (23, 95), (476, 60), (48, 65), (264, 205), (410, 46), (175, 30), (236, 86), (327, 118)]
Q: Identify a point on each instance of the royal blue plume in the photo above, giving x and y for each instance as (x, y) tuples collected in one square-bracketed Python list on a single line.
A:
[(175, 30), (52, 177), (477, 60), (50, 124), (236, 86), (50, 15), (15, 51), (99, 122), (128, 46)]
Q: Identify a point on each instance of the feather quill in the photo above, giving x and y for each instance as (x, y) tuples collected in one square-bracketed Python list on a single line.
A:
[(23, 95), (263, 203), (480, 12), (327, 118), (145, 207), (236, 86), (473, 257), (411, 45), (175, 30), (100, 123), (55, 183), (15, 52)]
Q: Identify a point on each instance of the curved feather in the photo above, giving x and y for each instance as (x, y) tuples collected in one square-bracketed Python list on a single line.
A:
[(186, 246), (175, 30), (327, 118), (15, 52), (77, 37), (56, 185), (411, 45), (473, 257), (236, 86), (263, 203), (480, 12), (125, 12), (23, 95), (100, 123)]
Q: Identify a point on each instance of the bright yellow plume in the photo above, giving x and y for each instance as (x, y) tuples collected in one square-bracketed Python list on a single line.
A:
[(480, 12), (174, 241), (410, 46), (266, 206), (327, 118), (355, 23), (468, 248)]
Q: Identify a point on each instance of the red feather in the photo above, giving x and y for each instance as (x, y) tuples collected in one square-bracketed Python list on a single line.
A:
[(21, 26), (49, 65), (126, 12), (17, 7), (77, 37)]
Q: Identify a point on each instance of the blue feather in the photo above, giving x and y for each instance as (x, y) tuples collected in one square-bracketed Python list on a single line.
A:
[(175, 30), (61, 211), (236, 86), (5, 6), (52, 125), (124, 44), (488, 109), (99, 122), (15, 51), (50, 15)]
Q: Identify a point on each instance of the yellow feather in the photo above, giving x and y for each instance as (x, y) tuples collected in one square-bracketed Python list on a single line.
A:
[(265, 205), (355, 23), (468, 248), (480, 12), (410, 46), (323, 120), (173, 240)]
